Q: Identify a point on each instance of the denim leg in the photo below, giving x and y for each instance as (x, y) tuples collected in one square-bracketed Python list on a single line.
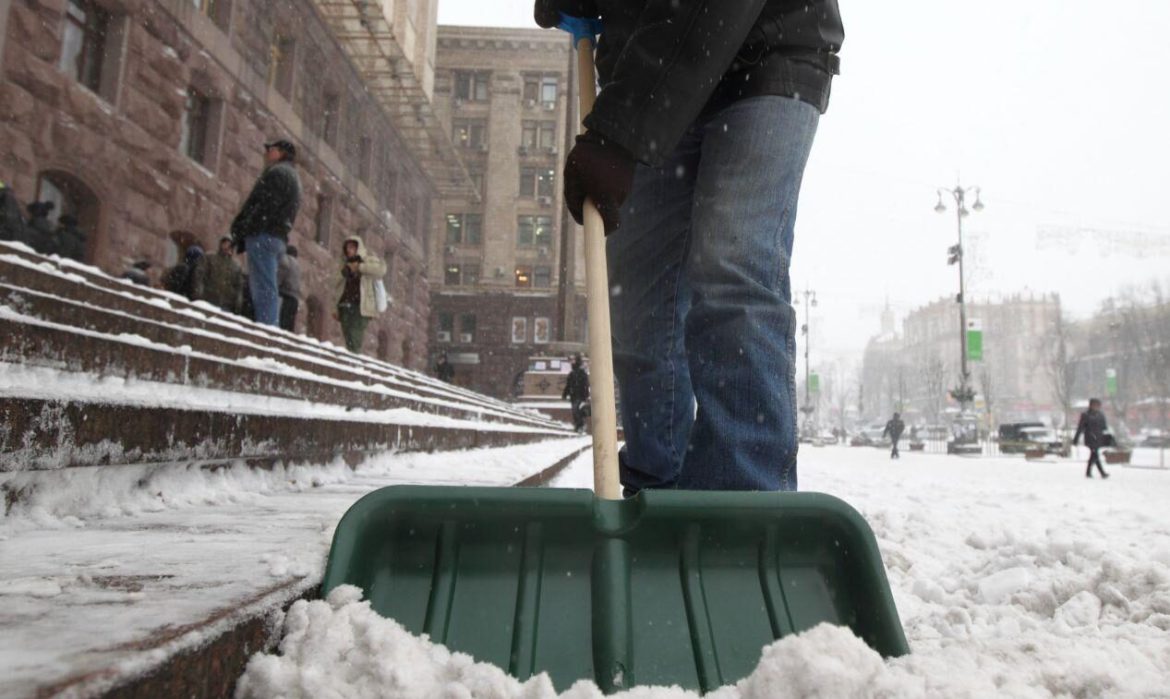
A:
[(648, 304), (740, 338), (263, 257)]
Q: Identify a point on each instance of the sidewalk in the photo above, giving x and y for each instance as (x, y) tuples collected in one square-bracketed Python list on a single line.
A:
[(116, 574)]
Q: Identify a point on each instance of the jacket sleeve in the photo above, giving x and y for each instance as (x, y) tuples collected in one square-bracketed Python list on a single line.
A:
[(371, 266), (675, 57)]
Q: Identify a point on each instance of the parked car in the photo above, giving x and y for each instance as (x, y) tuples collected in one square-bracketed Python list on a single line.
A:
[(1013, 438), (1042, 438)]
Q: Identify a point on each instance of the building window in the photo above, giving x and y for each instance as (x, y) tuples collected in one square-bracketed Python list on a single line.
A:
[(461, 274), (533, 231), (446, 326), (324, 221), (472, 86), (542, 277), (537, 182), (538, 135), (330, 117), (71, 197), (476, 177), (531, 89), (548, 91), (195, 126), (83, 46), (467, 327), (464, 229), (524, 276), (541, 330), (470, 133), (281, 62), (218, 11)]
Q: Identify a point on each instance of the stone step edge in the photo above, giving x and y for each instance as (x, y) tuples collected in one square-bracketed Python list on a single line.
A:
[(203, 660)]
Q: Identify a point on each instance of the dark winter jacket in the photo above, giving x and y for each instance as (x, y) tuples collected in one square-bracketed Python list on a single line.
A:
[(70, 241), (12, 226), (445, 370), (577, 385), (180, 278), (1092, 425), (894, 429), (219, 281), (272, 206), (40, 235), (661, 62)]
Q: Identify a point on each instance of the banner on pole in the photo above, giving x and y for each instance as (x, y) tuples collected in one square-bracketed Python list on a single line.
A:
[(814, 383), (1111, 383), (974, 340)]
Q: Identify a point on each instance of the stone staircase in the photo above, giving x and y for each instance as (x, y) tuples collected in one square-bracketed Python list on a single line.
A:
[(110, 387)]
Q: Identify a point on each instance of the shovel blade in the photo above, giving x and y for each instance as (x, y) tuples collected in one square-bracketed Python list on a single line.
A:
[(667, 588)]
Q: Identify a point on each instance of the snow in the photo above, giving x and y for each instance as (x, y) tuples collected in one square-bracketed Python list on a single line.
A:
[(108, 572), (1012, 578)]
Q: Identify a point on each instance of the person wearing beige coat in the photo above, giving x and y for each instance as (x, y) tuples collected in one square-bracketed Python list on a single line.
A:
[(354, 291)]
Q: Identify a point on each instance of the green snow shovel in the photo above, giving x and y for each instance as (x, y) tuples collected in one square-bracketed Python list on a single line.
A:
[(666, 588)]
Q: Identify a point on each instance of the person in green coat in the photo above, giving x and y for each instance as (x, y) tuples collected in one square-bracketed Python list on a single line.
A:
[(218, 280), (354, 291)]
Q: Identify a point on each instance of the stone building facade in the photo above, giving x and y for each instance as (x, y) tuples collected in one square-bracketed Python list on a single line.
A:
[(915, 369), (506, 275), (145, 118)]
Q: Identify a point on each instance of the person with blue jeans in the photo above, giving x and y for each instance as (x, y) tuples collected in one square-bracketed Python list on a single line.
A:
[(262, 227), (694, 155)]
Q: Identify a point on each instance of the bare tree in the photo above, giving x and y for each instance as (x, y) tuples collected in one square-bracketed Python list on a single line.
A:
[(934, 377), (1055, 358)]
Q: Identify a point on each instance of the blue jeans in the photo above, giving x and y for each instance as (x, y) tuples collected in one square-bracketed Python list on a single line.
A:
[(264, 251), (703, 326)]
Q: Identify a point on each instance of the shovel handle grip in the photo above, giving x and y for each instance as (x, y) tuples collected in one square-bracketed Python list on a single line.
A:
[(606, 481)]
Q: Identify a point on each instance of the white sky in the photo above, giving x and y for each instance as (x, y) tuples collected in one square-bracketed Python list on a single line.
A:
[(1058, 109)]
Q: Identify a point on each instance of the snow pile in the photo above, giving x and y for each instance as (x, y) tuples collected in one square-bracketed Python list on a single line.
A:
[(339, 647), (1012, 579)]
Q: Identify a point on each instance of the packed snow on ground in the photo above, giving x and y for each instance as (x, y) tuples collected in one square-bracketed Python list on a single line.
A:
[(1012, 578)]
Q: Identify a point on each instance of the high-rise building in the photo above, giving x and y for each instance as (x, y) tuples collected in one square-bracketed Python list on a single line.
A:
[(505, 274)]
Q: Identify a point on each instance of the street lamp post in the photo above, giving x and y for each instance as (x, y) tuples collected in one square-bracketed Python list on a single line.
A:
[(964, 394), (810, 298)]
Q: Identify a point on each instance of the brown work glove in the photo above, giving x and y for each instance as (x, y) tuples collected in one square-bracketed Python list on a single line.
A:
[(601, 170)]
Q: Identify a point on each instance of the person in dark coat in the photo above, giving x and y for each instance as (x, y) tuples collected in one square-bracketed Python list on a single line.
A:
[(444, 369), (703, 125), (12, 225), (180, 279), (70, 238), (894, 429), (577, 392), (40, 231), (288, 276), (218, 280), (1092, 426), (261, 228)]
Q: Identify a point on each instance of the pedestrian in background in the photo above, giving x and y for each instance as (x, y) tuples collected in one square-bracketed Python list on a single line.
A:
[(354, 289), (70, 239), (137, 272), (444, 369), (219, 279), (1092, 425), (12, 225), (577, 392), (894, 428), (39, 233), (180, 279), (261, 228), (289, 285)]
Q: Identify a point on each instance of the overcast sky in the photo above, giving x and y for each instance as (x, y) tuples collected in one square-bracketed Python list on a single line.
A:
[(1057, 109)]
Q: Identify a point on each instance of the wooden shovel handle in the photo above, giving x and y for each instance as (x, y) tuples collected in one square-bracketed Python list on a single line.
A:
[(606, 481)]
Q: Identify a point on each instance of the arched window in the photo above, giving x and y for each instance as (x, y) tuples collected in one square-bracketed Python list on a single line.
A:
[(71, 197), (315, 318), (180, 241)]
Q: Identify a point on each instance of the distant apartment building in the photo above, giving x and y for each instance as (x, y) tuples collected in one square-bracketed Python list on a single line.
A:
[(505, 278), (146, 119), (916, 369)]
